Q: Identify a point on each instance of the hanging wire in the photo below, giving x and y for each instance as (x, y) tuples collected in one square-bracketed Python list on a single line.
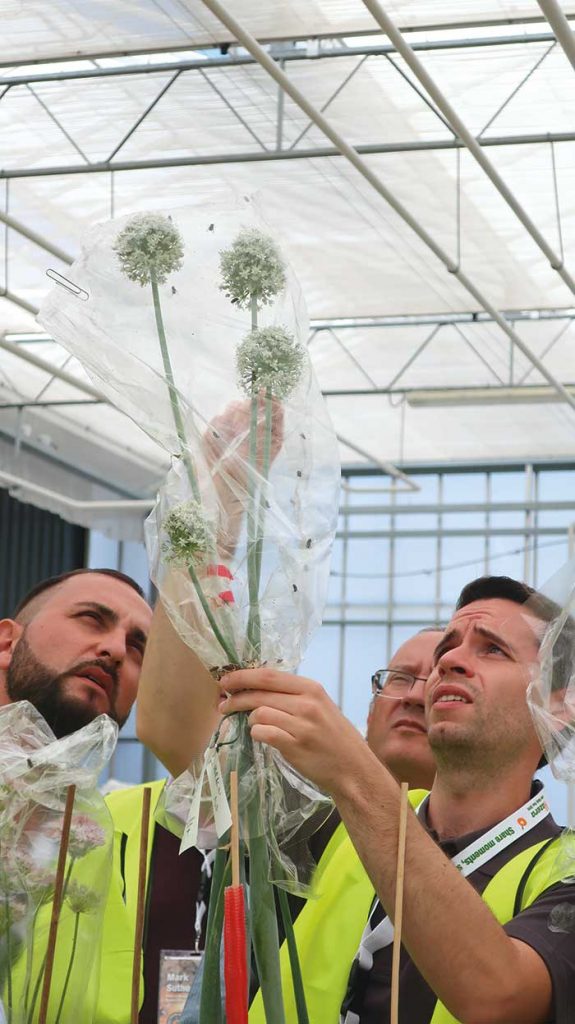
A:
[(446, 568)]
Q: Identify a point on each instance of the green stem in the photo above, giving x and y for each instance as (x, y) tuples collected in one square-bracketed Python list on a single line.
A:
[(254, 311), (8, 957), (253, 627), (36, 992), (267, 456), (174, 399), (299, 993), (210, 999), (264, 930), (187, 460), (29, 966), (226, 645), (262, 916), (69, 971)]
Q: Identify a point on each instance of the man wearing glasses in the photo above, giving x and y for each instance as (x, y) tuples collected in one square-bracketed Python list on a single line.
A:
[(485, 939), (396, 729)]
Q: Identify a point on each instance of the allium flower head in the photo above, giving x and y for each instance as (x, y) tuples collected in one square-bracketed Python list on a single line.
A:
[(81, 899), (269, 358), (187, 533), (150, 243), (252, 266)]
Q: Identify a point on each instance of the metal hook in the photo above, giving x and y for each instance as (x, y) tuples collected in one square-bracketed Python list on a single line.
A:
[(64, 282)]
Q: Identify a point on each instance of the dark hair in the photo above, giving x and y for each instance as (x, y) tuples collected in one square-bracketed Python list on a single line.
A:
[(55, 581), (486, 588)]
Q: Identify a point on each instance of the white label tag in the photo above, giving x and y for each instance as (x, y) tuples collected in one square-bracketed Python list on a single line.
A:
[(190, 836), (222, 813)]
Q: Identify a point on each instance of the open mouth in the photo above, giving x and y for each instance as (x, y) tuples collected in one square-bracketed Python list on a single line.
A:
[(447, 696)]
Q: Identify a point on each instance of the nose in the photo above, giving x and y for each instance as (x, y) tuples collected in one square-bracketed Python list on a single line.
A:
[(456, 660), (112, 645), (414, 697)]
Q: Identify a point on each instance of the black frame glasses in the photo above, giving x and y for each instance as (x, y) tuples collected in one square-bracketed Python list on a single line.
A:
[(393, 683)]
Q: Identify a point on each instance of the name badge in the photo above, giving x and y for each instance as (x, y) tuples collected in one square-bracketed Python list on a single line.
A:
[(177, 971)]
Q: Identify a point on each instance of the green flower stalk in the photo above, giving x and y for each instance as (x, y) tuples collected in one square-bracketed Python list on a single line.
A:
[(149, 249), (269, 367), (189, 541), (81, 900), (270, 362)]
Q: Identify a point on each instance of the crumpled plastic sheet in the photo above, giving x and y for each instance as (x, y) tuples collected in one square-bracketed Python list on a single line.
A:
[(112, 330), (36, 770), (291, 808), (551, 693), (111, 325)]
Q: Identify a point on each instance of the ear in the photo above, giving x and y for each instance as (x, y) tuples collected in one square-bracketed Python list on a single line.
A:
[(10, 633)]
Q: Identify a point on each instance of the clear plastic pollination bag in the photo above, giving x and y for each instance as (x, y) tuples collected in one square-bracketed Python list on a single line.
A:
[(36, 770)]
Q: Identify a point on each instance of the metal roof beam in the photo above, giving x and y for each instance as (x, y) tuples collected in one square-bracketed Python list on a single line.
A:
[(255, 156), (469, 141), (234, 60), (428, 319), (378, 185), (561, 27)]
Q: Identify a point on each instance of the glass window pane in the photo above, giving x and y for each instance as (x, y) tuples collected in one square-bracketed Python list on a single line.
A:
[(365, 651), (321, 660), (415, 563)]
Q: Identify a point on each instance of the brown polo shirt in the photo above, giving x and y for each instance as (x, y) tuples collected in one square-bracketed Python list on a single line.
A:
[(368, 997)]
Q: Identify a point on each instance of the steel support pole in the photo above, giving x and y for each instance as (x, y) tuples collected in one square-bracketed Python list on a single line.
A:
[(253, 47), (5, 293), (561, 27), (469, 140), (33, 236), (54, 371)]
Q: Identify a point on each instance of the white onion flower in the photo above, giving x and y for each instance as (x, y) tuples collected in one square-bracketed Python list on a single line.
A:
[(269, 358), (150, 244), (188, 534), (252, 268)]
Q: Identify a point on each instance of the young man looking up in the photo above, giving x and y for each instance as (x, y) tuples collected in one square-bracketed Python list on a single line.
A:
[(459, 963)]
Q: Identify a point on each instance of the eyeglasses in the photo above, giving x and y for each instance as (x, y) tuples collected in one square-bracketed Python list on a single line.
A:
[(389, 682)]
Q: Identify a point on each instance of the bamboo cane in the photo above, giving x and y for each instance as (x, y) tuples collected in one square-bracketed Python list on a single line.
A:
[(398, 915), (56, 904)]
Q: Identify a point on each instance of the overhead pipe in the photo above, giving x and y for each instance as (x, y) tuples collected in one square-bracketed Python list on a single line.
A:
[(263, 58)]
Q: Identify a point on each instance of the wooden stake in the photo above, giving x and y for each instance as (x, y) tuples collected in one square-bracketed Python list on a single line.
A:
[(146, 796), (398, 915), (235, 836), (56, 904)]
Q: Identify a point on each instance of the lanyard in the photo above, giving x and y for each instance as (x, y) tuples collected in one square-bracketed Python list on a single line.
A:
[(481, 850)]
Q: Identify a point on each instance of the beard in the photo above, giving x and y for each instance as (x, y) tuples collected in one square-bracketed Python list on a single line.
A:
[(27, 678)]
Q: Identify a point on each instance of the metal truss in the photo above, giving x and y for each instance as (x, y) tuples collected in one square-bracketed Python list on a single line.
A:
[(314, 42), (257, 156), (287, 53)]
